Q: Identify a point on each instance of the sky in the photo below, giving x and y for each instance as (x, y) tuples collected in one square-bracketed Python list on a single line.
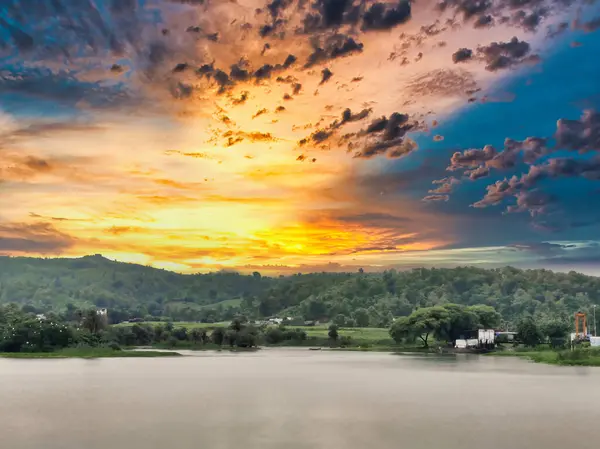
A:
[(287, 136)]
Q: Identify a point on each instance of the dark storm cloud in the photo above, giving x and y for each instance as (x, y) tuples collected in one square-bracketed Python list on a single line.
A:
[(348, 116), (325, 133), (468, 8), (387, 136), (461, 55), (327, 14), (334, 47), (40, 238), (529, 21), (46, 129), (535, 202), (78, 28), (326, 74), (383, 16), (484, 21), (393, 149), (503, 55), (581, 135), (334, 14), (275, 7), (62, 87), (241, 72)]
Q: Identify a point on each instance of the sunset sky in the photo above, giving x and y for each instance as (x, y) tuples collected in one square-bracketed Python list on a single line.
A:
[(292, 136)]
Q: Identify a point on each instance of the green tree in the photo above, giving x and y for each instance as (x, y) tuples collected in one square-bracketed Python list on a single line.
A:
[(361, 316), (339, 320), (180, 333), (421, 324), (528, 331), (274, 335), (461, 321), (218, 335), (245, 338), (333, 332), (236, 324), (487, 316), (198, 335), (556, 330), (93, 321)]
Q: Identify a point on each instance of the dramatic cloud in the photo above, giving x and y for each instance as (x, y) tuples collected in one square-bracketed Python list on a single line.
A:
[(461, 55), (382, 16), (38, 238), (575, 135), (326, 74), (503, 55), (335, 46), (170, 132), (387, 135), (579, 135)]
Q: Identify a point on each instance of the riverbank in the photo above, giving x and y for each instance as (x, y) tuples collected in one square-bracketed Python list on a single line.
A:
[(577, 357), (87, 353)]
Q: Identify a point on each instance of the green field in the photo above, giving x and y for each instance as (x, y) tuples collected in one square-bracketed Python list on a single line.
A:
[(186, 324), (371, 334)]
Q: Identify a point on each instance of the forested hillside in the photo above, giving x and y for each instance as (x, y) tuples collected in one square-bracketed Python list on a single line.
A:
[(355, 299)]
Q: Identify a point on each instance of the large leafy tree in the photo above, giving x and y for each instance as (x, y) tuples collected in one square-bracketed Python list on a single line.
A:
[(555, 330), (422, 324), (93, 321), (528, 331)]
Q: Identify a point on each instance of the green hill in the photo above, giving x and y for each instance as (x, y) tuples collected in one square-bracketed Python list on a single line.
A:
[(360, 299)]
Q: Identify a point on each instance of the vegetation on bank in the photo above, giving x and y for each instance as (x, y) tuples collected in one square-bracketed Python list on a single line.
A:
[(89, 334), (566, 357), (86, 353), (63, 286)]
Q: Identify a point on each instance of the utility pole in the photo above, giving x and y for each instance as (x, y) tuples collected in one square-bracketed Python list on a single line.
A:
[(595, 324)]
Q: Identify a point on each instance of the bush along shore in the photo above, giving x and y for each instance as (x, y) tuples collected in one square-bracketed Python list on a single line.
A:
[(23, 335), (577, 357)]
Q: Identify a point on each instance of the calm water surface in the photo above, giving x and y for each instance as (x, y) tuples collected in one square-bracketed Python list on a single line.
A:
[(297, 399)]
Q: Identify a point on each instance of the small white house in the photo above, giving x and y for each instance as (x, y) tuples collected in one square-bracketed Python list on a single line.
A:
[(486, 336), (40, 316)]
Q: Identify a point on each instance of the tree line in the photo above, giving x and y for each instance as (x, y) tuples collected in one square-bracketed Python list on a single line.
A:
[(360, 299), (21, 331)]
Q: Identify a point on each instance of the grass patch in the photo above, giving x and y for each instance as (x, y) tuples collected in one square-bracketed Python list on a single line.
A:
[(187, 324), (578, 357), (86, 353)]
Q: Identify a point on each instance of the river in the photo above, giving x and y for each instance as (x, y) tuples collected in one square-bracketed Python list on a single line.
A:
[(297, 399)]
